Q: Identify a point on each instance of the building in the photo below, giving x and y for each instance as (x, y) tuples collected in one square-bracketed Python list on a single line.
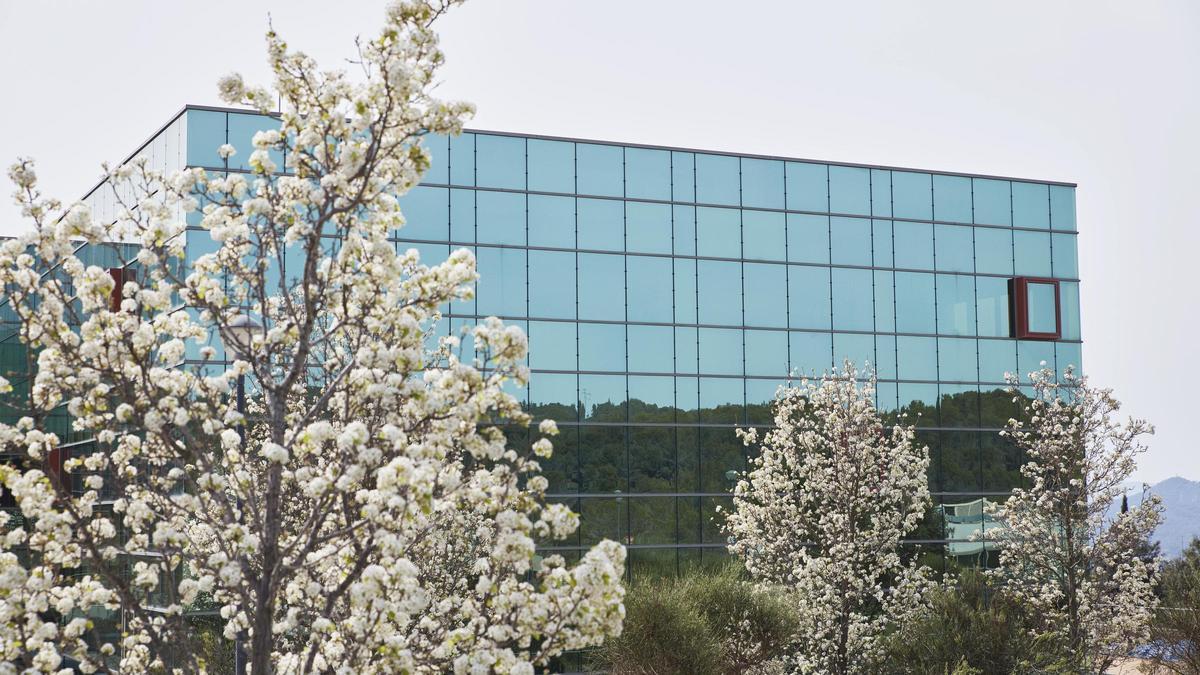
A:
[(668, 292)]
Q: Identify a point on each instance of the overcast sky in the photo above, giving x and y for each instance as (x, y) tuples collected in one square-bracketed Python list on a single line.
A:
[(1104, 94)]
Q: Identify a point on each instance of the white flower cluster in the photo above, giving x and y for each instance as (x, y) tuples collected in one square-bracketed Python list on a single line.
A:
[(822, 512), (365, 514)]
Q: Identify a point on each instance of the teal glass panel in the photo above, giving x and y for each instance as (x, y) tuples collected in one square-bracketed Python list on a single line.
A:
[(1041, 306), (952, 198), (718, 232), (686, 354), (881, 243), (658, 392), (721, 352), (501, 288), (648, 227), (439, 158), (766, 295), (807, 186), (1062, 207), (206, 133), (1031, 253), (913, 243), (807, 238), (957, 360), (462, 159), (556, 396), (881, 193), (551, 166), (811, 353), (1068, 292), (762, 183), (766, 352), (651, 349), (426, 213), (721, 400), (462, 215), (1069, 355), (993, 201), (1031, 205), (885, 357), (649, 288), (912, 195), (683, 221), (242, 128), (916, 358), (598, 170), (992, 306), (885, 301), (1034, 355), (551, 221), (956, 304), (850, 190), (852, 300), (993, 250), (717, 179), (850, 241), (720, 292), (500, 162), (954, 248), (647, 173), (602, 399), (760, 394), (431, 254), (685, 290), (601, 224), (915, 303), (857, 348), (552, 284), (996, 359), (599, 277), (500, 218), (683, 177), (552, 345), (808, 297), (602, 347), (764, 236), (1065, 254)]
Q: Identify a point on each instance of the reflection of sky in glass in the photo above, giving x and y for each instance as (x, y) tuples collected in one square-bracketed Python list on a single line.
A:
[(1041, 308)]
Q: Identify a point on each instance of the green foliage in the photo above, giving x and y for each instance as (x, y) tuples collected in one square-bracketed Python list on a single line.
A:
[(1175, 632), (704, 622)]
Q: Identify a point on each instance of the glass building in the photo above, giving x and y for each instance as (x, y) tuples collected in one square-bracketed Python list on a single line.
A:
[(668, 292)]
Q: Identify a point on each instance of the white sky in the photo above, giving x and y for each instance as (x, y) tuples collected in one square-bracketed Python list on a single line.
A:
[(1104, 94)]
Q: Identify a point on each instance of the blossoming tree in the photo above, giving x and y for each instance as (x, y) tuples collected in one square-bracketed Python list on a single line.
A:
[(1064, 552), (822, 512), (376, 454)]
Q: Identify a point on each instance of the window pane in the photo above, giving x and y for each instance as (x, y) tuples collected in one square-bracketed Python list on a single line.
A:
[(914, 303), (1033, 355), (808, 238), (881, 241), (852, 303), (718, 232), (552, 284), (1062, 207), (1032, 253), (956, 360), (762, 183), (721, 351), (462, 215), (462, 159), (885, 301), (916, 358), (955, 250), (850, 240), (599, 275), (850, 190), (881, 192), (807, 186), (1042, 312), (686, 350), (647, 173), (242, 128), (651, 349), (766, 352), (551, 221), (601, 224), (808, 297), (648, 227), (956, 304), (598, 169), (1066, 261), (658, 395), (1069, 305), (501, 218), (551, 166), (993, 306), (652, 469), (683, 181), (717, 179), (1031, 205), (993, 250), (763, 235), (720, 292), (993, 205), (552, 345), (765, 295), (554, 396), (685, 291), (683, 219), (885, 357), (857, 348), (500, 161), (602, 346), (914, 245), (996, 358), (811, 353), (721, 401), (952, 198), (912, 195), (439, 158), (650, 288), (1069, 354), (603, 399), (426, 214), (206, 133), (501, 282)]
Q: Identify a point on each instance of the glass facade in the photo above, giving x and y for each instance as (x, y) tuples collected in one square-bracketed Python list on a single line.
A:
[(668, 293)]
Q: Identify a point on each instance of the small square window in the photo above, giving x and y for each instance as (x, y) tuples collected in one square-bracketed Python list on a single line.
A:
[(1035, 309)]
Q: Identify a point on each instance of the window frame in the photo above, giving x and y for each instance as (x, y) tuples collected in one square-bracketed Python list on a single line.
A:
[(1019, 319)]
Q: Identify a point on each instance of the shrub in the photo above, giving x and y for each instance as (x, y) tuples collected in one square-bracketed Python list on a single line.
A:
[(1175, 632)]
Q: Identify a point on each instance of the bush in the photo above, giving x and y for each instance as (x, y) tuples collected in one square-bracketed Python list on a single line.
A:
[(702, 622), (1175, 632)]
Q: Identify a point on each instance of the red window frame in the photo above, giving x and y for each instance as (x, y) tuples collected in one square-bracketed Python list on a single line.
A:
[(119, 276), (1018, 291)]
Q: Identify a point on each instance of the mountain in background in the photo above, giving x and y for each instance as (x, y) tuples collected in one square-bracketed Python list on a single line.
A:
[(1181, 512)]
